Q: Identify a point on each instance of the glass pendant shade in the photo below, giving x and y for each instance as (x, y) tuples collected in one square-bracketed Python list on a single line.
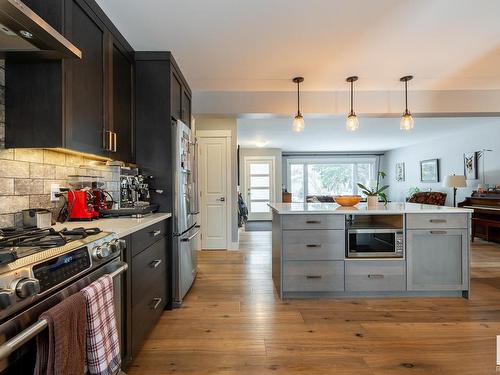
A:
[(298, 123), (407, 121), (352, 123)]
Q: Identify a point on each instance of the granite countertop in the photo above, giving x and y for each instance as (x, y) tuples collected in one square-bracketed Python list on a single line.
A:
[(122, 226), (361, 208)]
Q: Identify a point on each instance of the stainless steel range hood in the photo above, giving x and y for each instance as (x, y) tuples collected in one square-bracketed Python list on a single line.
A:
[(23, 34)]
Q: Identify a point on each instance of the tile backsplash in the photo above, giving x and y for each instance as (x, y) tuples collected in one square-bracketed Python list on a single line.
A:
[(26, 174)]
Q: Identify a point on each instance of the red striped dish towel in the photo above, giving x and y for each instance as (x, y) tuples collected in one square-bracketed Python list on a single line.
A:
[(103, 347)]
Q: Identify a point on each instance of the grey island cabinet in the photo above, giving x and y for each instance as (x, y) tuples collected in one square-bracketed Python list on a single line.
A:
[(399, 249)]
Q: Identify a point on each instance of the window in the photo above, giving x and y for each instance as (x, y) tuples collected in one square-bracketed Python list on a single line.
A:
[(334, 176)]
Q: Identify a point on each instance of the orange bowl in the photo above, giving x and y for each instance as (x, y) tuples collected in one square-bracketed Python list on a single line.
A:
[(347, 200)]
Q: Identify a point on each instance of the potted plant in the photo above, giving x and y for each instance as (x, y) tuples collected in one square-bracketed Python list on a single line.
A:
[(373, 194), (411, 192)]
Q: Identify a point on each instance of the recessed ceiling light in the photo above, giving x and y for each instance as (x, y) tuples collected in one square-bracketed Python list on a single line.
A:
[(261, 143)]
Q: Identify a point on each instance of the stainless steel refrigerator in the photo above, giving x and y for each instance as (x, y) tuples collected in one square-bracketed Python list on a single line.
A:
[(185, 215)]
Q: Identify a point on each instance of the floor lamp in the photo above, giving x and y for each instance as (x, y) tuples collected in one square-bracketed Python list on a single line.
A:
[(455, 182)]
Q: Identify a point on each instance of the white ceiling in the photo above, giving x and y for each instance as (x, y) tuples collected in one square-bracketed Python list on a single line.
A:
[(375, 134), (259, 45)]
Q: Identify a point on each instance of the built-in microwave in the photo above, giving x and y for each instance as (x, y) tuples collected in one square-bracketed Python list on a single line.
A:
[(375, 243)]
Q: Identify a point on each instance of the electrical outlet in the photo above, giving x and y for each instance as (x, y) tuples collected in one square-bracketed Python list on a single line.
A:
[(54, 189)]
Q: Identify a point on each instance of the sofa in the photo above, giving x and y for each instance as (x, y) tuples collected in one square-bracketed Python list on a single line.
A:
[(429, 197)]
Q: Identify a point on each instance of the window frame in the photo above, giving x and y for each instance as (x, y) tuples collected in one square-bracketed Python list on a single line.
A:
[(372, 160)]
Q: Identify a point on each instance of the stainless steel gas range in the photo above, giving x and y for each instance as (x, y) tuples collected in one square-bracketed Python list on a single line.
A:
[(38, 269)]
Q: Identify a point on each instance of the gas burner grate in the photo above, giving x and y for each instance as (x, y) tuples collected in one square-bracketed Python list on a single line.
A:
[(17, 243), (42, 238)]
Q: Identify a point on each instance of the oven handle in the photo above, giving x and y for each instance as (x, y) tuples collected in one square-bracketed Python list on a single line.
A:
[(22, 338)]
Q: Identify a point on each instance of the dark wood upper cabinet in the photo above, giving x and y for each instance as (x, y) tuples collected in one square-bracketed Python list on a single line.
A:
[(85, 83), (180, 95), (82, 105), (160, 93), (186, 107), (123, 104), (176, 96)]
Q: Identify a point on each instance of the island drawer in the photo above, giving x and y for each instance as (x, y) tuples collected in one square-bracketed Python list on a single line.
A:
[(432, 221), (313, 276), (374, 275), (313, 221), (314, 244)]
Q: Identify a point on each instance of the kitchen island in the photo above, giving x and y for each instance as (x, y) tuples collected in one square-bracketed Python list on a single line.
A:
[(398, 249)]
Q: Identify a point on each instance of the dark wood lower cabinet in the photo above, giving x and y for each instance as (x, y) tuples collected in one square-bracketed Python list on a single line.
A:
[(148, 283), (149, 287)]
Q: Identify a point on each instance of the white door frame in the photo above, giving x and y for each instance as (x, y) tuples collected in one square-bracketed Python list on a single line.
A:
[(229, 201), (272, 175)]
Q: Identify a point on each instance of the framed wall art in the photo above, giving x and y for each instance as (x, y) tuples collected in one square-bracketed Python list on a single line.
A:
[(470, 166), (400, 172), (429, 170)]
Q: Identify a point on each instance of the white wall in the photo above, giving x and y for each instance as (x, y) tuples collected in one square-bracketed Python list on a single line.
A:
[(224, 123), (449, 150)]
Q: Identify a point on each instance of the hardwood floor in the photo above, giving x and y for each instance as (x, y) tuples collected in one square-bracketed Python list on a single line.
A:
[(232, 322)]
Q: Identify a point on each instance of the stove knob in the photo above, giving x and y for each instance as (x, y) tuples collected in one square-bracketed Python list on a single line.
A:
[(5, 298), (100, 252), (27, 287), (117, 245)]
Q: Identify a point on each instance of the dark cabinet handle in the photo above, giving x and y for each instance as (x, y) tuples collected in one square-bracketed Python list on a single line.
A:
[(156, 303), (107, 140), (437, 221), (438, 232), (155, 263), (156, 233), (314, 277), (375, 276), (313, 245), (313, 222)]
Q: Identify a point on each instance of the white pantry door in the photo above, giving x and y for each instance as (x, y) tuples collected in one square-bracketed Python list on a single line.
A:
[(213, 176), (259, 183)]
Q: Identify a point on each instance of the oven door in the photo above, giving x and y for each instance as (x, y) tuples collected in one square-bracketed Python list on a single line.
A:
[(374, 243), (22, 360)]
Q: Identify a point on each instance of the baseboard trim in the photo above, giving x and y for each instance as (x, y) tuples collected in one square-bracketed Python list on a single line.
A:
[(234, 246)]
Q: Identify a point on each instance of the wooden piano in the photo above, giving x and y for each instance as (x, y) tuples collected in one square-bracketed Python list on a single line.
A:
[(486, 216)]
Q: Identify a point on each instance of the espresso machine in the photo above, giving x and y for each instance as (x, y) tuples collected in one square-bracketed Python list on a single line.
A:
[(134, 195)]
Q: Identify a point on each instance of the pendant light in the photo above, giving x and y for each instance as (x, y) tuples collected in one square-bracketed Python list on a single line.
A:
[(352, 123), (407, 121), (298, 121)]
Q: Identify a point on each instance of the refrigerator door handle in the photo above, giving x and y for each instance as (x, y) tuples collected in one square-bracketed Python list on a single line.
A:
[(187, 239)]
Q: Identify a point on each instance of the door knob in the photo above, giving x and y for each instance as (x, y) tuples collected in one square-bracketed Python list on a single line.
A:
[(221, 199)]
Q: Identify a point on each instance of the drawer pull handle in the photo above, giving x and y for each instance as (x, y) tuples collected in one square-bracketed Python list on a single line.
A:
[(313, 245), (438, 232), (309, 277), (155, 263), (313, 222), (437, 220), (375, 276), (156, 233), (156, 303)]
